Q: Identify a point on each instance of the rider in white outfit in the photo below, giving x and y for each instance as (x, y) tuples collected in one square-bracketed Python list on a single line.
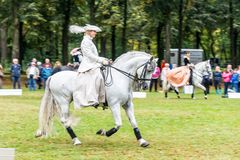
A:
[(91, 91)]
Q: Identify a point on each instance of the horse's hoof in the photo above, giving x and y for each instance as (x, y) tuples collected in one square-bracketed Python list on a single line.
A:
[(205, 97), (101, 132), (143, 143), (76, 142), (38, 134), (178, 97)]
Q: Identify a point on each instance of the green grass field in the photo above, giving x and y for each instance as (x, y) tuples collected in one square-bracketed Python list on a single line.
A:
[(175, 128)]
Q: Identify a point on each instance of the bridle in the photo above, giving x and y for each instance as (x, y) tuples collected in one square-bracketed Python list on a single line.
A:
[(206, 69), (135, 78)]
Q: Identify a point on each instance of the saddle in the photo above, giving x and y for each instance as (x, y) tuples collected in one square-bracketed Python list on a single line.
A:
[(179, 76)]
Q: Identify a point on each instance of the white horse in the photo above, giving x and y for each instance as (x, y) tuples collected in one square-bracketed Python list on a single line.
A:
[(197, 77), (61, 86)]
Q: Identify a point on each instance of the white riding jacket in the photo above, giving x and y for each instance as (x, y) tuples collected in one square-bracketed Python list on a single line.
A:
[(90, 59)]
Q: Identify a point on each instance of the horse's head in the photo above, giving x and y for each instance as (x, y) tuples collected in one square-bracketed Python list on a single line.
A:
[(204, 67), (209, 68), (144, 73)]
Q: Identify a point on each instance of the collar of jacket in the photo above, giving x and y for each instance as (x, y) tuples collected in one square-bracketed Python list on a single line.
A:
[(88, 37)]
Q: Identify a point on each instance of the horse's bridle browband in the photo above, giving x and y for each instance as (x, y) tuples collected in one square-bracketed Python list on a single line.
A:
[(127, 74)]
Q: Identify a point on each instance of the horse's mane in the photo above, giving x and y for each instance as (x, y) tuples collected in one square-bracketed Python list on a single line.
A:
[(126, 56), (201, 63)]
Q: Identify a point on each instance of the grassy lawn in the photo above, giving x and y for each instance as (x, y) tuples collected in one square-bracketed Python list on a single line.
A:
[(175, 128)]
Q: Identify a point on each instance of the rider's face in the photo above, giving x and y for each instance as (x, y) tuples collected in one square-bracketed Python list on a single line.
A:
[(92, 33)]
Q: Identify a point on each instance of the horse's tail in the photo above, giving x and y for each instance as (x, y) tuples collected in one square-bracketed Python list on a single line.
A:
[(48, 109)]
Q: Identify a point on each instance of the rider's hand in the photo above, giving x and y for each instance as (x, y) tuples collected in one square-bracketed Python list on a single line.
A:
[(110, 61), (105, 62)]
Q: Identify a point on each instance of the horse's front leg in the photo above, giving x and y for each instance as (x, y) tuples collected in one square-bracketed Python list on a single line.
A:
[(118, 122), (129, 109), (203, 88)]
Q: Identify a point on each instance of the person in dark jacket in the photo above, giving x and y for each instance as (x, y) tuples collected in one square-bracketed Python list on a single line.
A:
[(57, 67), (16, 73), (217, 79)]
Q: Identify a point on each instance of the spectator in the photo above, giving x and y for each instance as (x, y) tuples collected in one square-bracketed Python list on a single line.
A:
[(164, 73), (217, 79), (32, 75), (238, 71), (39, 80), (162, 64), (154, 79), (226, 75), (45, 73), (229, 68), (1, 76), (235, 80), (77, 56), (16, 73), (47, 62), (57, 67)]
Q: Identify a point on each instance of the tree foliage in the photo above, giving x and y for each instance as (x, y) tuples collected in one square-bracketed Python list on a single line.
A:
[(39, 28)]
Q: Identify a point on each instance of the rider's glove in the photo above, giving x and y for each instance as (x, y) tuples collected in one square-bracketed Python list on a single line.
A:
[(105, 62)]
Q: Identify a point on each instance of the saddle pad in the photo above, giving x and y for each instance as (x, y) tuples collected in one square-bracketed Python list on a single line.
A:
[(179, 76)]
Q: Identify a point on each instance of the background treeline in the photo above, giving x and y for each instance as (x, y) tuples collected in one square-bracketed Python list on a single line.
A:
[(39, 28)]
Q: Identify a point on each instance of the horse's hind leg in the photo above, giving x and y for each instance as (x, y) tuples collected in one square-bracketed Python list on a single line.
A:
[(129, 108), (67, 123), (118, 122), (177, 92), (192, 96)]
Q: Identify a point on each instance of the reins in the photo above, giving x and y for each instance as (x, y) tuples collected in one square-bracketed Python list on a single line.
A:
[(127, 74)]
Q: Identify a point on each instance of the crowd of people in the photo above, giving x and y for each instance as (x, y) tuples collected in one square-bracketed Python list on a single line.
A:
[(36, 73)]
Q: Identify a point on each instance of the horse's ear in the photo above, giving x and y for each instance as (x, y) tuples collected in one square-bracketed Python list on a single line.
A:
[(151, 59)]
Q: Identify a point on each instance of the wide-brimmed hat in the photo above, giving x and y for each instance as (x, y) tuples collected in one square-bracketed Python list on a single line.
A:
[(78, 29), (89, 27)]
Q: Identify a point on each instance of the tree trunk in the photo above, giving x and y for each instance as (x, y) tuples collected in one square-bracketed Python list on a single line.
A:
[(15, 47), (56, 39), (113, 42), (212, 45), (160, 48), (124, 38), (21, 43), (231, 35), (103, 46), (3, 33), (235, 47), (92, 11), (198, 40), (167, 40), (65, 37), (148, 46), (180, 33), (139, 45)]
